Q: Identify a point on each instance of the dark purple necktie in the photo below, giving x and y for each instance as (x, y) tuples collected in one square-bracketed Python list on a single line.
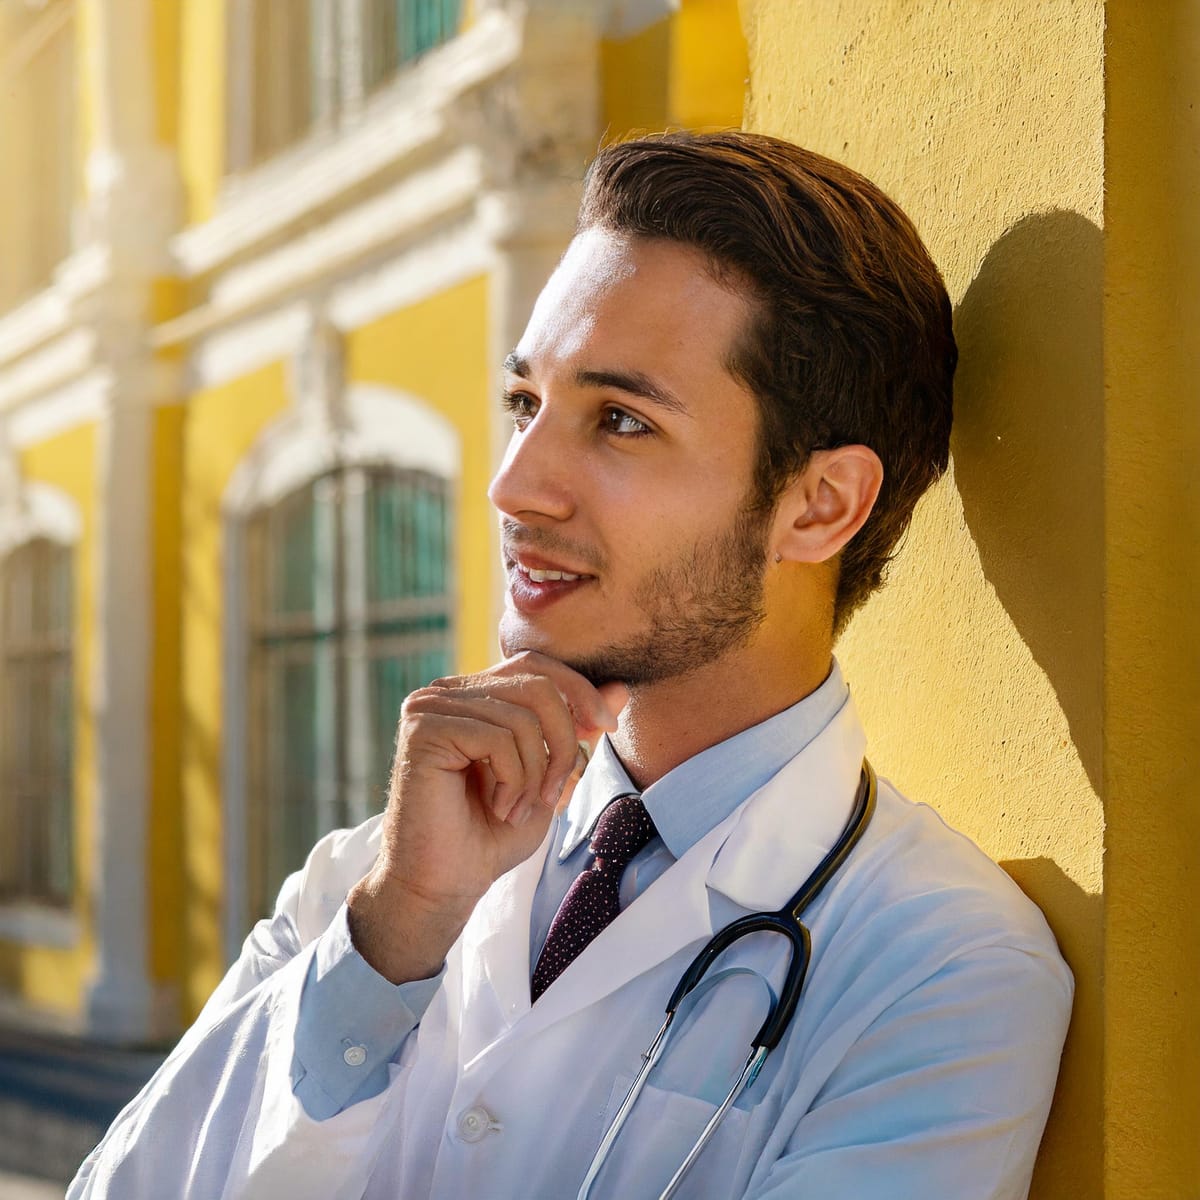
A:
[(593, 900)]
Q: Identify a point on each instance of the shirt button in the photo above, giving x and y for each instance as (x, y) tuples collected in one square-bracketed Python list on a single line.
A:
[(355, 1056), (475, 1123)]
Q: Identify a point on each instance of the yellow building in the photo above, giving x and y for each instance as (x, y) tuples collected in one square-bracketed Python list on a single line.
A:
[(259, 262)]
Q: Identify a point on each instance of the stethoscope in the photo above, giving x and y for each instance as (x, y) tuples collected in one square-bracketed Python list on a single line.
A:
[(786, 922)]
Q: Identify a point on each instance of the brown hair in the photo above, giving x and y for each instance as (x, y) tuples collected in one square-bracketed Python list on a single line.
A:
[(853, 341)]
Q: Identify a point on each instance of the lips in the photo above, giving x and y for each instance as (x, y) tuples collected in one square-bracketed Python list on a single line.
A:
[(535, 583)]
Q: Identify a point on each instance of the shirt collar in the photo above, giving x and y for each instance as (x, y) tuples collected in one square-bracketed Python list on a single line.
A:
[(695, 797)]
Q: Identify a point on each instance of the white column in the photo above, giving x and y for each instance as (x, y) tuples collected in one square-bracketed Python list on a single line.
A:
[(134, 205)]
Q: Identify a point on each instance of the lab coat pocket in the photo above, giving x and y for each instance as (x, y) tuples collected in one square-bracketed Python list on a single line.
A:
[(660, 1132)]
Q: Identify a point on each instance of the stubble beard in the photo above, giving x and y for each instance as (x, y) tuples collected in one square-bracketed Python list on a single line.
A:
[(696, 609)]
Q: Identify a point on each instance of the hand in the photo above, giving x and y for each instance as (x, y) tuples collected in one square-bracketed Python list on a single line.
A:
[(481, 763)]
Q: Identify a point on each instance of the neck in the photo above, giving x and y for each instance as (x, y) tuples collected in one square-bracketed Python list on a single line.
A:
[(666, 723)]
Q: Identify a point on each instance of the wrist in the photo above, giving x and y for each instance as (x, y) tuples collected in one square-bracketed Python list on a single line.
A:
[(400, 933)]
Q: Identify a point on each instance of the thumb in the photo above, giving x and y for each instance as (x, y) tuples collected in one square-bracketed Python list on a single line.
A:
[(615, 697)]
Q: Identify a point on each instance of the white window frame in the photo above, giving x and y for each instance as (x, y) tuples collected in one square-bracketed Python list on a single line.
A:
[(377, 427)]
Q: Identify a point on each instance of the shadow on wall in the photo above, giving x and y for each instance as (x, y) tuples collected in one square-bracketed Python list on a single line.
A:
[(1028, 450), (1029, 464), (1070, 1163)]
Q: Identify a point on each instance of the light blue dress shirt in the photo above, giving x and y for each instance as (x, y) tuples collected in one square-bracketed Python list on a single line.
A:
[(353, 1021)]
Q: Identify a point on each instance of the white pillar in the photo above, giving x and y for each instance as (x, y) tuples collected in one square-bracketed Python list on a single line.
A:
[(133, 206)]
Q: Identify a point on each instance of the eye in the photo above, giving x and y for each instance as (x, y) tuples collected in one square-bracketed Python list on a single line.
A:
[(621, 423), (521, 406)]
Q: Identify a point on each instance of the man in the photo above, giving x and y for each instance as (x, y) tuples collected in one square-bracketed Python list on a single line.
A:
[(727, 401)]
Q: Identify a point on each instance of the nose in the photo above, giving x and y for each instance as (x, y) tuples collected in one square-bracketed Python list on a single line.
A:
[(535, 477)]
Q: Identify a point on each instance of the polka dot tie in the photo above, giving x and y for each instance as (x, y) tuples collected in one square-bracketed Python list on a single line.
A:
[(593, 900)]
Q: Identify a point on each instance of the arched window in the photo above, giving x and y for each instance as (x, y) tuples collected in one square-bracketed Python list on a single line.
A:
[(36, 721), (339, 600)]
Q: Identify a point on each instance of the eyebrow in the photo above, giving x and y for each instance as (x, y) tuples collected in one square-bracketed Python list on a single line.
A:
[(633, 383)]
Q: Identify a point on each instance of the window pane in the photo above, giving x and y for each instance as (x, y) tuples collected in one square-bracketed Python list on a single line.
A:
[(407, 521), (36, 674), (283, 72)]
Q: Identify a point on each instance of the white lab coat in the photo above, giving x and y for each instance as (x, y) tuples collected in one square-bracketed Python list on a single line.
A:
[(921, 1062)]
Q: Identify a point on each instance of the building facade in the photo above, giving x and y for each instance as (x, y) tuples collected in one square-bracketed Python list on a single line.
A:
[(261, 260)]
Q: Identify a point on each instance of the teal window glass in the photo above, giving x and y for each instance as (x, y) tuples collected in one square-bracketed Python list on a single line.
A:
[(37, 723), (398, 31), (351, 601)]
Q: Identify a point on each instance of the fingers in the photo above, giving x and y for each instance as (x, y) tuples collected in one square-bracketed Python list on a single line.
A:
[(509, 737), (592, 707), (543, 715)]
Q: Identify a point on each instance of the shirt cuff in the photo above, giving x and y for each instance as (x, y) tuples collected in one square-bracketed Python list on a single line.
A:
[(351, 1023)]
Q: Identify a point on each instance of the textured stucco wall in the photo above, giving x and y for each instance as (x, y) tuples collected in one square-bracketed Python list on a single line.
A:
[(979, 670)]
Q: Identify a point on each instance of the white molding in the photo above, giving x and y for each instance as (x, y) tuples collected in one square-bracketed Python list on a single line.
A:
[(381, 426), (433, 265), (48, 313), (252, 343), (368, 425), (403, 210), (39, 925), (406, 117), (77, 403), (68, 356), (40, 511)]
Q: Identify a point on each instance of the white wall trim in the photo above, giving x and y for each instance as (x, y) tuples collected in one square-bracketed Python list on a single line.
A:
[(405, 118), (39, 925), (235, 351), (403, 209), (80, 402), (63, 359), (40, 511), (430, 267)]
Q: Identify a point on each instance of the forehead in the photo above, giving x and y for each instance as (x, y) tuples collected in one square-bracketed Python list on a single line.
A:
[(634, 302)]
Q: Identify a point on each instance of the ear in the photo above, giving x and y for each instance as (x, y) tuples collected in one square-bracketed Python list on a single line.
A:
[(827, 503)]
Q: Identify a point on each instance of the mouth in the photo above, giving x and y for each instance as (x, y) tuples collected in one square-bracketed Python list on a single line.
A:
[(535, 583)]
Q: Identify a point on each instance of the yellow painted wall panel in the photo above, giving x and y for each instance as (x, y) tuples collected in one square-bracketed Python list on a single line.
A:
[(1152, 648), (437, 352), (979, 669), (165, 38), (220, 426), (202, 104), (635, 81), (709, 68), (44, 976)]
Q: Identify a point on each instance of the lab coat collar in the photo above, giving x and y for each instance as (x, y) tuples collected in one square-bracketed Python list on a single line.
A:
[(697, 795), (758, 857)]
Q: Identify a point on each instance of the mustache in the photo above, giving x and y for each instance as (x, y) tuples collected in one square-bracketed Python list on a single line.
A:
[(515, 537)]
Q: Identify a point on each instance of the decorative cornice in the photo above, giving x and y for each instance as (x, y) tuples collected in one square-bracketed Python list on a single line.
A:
[(405, 119)]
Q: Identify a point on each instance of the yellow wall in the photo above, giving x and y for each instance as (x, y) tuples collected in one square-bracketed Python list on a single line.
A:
[(979, 670), (437, 350), (687, 70), (201, 97), (220, 426), (41, 975), (1152, 642)]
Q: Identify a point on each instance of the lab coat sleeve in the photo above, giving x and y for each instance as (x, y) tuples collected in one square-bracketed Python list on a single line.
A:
[(225, 1117), (946, 1093)]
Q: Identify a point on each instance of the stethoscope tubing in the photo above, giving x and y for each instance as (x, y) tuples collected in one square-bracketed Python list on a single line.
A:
[(786, 922)]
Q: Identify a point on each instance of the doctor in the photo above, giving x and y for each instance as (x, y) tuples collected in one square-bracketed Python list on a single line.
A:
[(726, 403)]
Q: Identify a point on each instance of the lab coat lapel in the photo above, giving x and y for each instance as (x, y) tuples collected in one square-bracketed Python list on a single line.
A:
[(758, 857), (779, 836), (495, 955), (672, 913)]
